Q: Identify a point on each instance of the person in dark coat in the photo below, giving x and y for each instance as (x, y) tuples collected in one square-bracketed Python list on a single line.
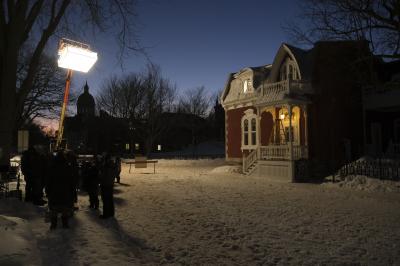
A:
[(60, 187), (93, 185), (27, 171), (73, 164), (107, 177), (118, 169), (32, 166)]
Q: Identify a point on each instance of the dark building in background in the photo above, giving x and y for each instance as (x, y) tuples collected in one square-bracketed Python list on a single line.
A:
[(87, 132)]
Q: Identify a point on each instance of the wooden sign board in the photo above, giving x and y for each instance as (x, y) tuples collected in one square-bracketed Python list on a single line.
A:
[(142, 160)]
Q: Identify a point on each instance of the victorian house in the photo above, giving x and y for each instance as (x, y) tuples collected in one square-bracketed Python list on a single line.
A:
[(300, 116)]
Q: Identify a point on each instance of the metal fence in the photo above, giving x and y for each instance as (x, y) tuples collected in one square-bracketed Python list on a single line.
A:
[(377, 168)]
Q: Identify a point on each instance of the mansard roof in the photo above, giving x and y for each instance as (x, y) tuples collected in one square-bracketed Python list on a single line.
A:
[(305, 60), (260, 73)]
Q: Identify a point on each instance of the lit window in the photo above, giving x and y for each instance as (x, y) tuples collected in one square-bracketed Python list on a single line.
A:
[(287, 139)]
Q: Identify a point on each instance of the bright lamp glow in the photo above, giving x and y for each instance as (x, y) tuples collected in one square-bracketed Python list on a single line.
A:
[(76, 58), (282, 116)]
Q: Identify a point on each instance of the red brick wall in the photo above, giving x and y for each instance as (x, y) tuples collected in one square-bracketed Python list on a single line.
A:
[(234, 132)]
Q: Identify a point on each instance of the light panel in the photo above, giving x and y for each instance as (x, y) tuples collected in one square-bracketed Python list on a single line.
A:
[(76, 58)]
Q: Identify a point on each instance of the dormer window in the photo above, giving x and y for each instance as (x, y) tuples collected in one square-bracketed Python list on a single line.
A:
[(247, 86), (288, 70)]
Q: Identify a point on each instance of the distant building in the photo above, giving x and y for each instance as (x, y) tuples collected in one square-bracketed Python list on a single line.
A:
[(88, 133), (304, 112)]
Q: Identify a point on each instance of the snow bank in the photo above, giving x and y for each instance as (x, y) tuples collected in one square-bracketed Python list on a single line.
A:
[(17, 245), (227, 169), (365, 183)]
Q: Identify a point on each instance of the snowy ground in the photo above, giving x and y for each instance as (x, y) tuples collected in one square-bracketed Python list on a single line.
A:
[(205, 213)]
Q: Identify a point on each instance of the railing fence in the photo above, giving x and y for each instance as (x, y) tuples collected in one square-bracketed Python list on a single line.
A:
[(378, 168)]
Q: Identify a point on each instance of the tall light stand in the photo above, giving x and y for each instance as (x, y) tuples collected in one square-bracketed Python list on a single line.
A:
[(63, 110)]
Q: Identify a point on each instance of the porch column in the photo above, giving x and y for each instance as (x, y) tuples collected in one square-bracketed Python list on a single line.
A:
[(291, 159), (305, 111), (290, 133), (258, 133)]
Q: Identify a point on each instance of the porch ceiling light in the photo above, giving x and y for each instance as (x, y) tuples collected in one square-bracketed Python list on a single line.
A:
[(75, 56)]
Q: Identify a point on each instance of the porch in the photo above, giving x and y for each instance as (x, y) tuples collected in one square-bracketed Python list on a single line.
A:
[(274, 139)]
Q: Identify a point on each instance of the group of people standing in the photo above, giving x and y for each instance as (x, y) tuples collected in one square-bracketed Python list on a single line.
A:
[(60, 176)]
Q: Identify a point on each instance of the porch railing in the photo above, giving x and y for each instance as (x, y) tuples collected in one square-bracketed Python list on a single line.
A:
[(282, 152), (249, 160)]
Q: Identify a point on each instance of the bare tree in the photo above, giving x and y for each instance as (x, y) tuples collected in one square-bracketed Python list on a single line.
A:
[(377, 21), (44, 99), (195, 101), (37, 22), (122, 97), (158, 98), (142, 99)]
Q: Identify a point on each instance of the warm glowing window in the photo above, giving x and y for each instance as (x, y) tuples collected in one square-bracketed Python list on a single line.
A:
[(247, 86), (287, 139)]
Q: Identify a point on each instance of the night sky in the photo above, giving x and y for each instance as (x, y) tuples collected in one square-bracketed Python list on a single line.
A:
[(197, 42)]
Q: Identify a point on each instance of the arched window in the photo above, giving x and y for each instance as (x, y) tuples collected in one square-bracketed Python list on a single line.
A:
[(249, 130), (246, 132), (247, 86), (283, 72), (290, 76), (253, 131)]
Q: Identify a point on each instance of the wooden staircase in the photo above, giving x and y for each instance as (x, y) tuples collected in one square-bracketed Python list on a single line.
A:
[(250, 162)]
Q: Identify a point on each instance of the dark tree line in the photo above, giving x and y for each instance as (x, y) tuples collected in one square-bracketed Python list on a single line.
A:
[(148, 101)]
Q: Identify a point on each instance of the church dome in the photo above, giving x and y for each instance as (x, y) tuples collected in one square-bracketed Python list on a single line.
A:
[(85, 103)]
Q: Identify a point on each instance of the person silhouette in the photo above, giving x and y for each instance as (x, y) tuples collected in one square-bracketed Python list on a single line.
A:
[(60, 186), (107, 177)]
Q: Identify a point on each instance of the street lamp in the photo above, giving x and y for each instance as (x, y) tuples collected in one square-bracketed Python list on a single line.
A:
[(72, 56)]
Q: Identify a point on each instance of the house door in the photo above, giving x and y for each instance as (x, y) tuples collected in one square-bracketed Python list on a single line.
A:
[(376, 138)]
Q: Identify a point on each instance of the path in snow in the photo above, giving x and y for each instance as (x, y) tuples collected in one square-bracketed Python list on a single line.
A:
[(189, 214)]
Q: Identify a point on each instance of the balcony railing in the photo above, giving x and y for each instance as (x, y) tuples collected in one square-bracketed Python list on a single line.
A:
[(282, 152), (277, 90)]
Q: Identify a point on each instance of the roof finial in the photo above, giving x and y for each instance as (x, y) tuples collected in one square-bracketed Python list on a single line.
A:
[(86, 88)]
